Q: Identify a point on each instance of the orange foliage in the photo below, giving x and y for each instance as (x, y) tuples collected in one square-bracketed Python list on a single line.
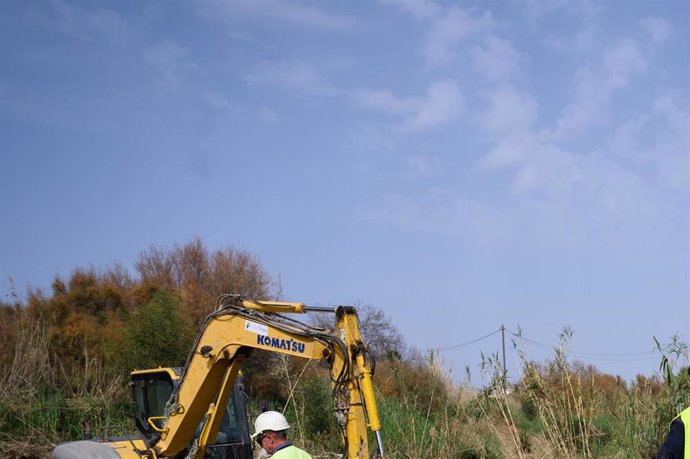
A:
[(84, 315), (414, 381), (200, 276)]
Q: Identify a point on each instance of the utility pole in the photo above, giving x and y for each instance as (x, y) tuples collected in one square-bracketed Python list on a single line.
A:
[(503, 341)]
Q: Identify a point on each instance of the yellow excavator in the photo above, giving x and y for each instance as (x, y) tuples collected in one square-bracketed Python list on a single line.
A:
[(198, 411)]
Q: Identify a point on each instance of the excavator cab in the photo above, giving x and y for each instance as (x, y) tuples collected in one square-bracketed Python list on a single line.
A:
[(151, 390)]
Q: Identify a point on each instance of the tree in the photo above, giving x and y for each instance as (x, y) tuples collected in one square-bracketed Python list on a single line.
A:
[(157, 334), (200, 276), (378, 331), (79, 314)]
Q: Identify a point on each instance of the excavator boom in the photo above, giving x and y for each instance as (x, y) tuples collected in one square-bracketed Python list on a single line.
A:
[(226, 340)]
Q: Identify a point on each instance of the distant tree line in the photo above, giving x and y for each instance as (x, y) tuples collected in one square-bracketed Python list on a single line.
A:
[(132, 320)]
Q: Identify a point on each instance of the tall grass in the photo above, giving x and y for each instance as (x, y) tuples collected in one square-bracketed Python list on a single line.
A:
[(563, 410), (496, 395), (556, 410), (565, 402), (423, 414), (42, 403)]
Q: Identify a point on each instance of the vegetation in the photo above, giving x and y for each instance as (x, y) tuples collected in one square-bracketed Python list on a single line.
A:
[(66, 354)]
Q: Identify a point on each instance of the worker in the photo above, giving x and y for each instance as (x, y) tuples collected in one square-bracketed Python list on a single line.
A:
[(677, 444), (271, 434)]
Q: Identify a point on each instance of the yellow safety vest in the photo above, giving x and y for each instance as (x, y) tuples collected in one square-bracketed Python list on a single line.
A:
[(291, 452), (685, 417)]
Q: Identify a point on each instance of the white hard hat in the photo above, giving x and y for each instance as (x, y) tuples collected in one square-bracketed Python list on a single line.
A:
[(270, 420)]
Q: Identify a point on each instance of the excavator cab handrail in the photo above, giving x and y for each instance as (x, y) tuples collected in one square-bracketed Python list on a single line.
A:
[(151, 422)]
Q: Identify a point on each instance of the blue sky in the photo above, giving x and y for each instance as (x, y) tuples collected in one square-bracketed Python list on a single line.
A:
[(457, 164)]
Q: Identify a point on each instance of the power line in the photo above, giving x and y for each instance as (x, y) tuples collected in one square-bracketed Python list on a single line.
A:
[(614, 359), (580, 355), (596, 354), (600, 356), (466, 343)]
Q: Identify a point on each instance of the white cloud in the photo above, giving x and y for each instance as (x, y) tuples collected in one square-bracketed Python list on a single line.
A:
[(553, 195), (618, 197), (542, 167), (671, 152), (549, 170), (453, 30), (559, 201), (657, 142), (667, 105), (535, 225), (509, 112), (385, 101), (171, 61), (557, 198), (621, 62), (580, 30), (496, 58), (283, 11), (442, 103), (658, 29), (90, 24), (449, 30), (507, 152), (509, 120), (219, 101), (624, 141), (595, 87)]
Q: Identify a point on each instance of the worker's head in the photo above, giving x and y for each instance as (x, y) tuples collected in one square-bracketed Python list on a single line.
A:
[(270, 430)]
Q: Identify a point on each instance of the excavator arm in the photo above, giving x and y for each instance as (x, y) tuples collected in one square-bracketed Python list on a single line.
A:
[(227, 338)]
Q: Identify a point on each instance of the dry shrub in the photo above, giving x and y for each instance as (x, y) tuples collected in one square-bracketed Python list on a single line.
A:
[(200, 275), (33, 446), (26, 432), (43, 402), (418, 381), (30, 367)]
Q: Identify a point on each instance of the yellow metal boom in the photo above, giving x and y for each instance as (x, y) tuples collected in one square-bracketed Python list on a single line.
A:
[(227, 338)]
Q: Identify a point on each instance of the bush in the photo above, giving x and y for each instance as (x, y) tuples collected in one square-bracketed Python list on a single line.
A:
[(529, 409), (158, 334)]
